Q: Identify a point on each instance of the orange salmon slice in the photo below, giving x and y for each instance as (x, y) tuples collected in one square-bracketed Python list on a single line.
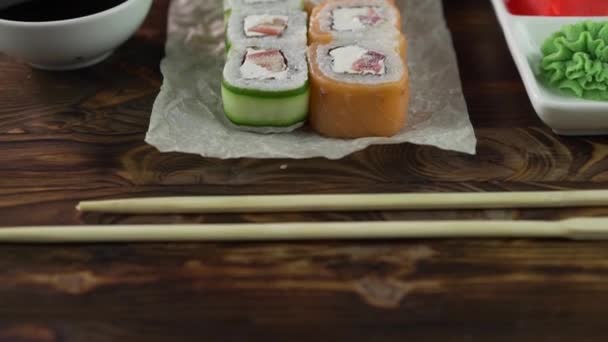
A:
[(354, 110), (316, 32)]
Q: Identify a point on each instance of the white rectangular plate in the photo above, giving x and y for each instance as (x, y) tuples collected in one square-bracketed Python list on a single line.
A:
[(564, 114)]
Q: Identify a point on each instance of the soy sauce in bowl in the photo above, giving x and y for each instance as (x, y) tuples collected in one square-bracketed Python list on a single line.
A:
[(54, 10)]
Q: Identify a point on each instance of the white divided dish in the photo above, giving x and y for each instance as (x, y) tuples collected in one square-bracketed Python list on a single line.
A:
[(72, 43), (565, 114)]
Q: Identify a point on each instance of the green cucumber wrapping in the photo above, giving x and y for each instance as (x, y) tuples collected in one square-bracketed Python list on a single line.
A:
[(265, 87), (248, 109)]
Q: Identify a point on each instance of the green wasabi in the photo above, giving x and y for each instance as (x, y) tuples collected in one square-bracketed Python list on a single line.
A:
[(575, 60)]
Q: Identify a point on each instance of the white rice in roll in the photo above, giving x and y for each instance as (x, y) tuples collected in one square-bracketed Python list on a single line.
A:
[(251, 27)]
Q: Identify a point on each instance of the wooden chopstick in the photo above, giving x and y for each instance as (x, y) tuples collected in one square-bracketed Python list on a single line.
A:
[(579, 228), (357, 202)]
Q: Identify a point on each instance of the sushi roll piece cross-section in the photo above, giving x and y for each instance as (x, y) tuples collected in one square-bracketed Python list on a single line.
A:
[(358, 89), (354, 19), (266, 86), (309, 5), (267, 26), (252, 5), (227, 10)]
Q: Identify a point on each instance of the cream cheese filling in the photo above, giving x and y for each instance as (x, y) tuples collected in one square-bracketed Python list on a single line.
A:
[(345, 58), (350, 18), (252, 21), (252, 70)]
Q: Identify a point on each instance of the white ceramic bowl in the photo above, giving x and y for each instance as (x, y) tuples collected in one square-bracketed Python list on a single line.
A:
[(566, 115), (73, 43)]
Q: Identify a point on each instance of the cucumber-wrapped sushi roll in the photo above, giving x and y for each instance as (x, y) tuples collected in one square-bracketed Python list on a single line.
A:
[(266, 86), (358, 89), (244, 5), (227, 10), (253, 27), (354, 19)]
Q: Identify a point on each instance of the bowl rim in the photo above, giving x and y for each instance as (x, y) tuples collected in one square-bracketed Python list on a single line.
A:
[(71, 21)]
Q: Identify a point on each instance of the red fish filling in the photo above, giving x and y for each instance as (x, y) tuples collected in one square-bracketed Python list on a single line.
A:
[(372, 17), (355, 18), (265, 26), (354, 59), (272, 60)]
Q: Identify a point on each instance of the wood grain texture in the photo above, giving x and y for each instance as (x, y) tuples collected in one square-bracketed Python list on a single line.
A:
[(66, 137)]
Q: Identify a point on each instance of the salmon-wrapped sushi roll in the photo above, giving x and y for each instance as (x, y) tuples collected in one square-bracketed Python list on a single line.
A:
[(353, 19), (357, 89), (252, 27), (266, 86), (309, 5)]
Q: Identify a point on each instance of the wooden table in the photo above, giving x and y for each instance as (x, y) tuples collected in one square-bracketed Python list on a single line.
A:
[(66, 137)]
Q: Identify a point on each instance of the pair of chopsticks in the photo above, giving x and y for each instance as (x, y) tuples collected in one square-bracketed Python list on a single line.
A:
[(578, 228)]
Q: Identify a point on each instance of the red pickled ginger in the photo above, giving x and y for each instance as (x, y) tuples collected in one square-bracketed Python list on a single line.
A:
[(581, 8)]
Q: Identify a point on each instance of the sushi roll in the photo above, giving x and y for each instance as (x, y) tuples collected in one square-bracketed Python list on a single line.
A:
[(353, 19), (266, 86), (309, 5), (245, 5), (273, 26), (357, 89), (227, 10)]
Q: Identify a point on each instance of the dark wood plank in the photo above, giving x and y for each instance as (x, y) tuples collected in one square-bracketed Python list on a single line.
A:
[(65, 137), (491, 290)]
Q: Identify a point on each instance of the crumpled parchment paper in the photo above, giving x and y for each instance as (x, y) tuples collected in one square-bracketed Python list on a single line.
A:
[(187, 114)]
